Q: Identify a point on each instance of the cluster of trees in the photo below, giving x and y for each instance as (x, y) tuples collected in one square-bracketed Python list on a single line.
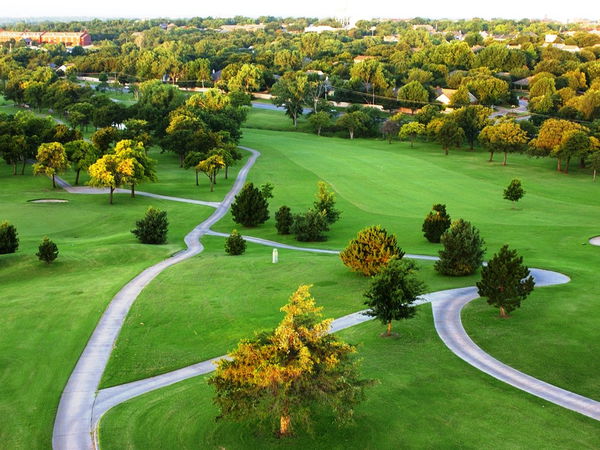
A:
[(9, 243)]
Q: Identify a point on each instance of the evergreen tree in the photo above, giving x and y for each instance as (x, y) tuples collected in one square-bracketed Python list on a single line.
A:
[(371, 250), (436, 222), (235, 244), (250, 208), (393, 292), (505, 281), (152, 229), (326, 202), (514, 191), (283, 377), (47, 251), (463, 250), (309, 227), (284, 220), (9, 239)]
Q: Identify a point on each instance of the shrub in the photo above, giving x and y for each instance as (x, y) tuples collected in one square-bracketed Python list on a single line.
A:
[(152, 229), (463, 250), (250, 208), (284, 220), (436, 222), (47, 251), (235, 244), (310, 226), (326, 202), (371, 251), (514, 191), (9, 240)]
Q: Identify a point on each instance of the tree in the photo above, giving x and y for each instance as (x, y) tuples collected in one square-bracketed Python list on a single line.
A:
[(505, 281), (247, 79), (413, 95), (309, 227), (514, 191), (550, 138), (461, 97), (574, 143), (47, 251), (111, 171), (284, 376), (82, 155), (393, 291), (210, 167), (370, 72), (192, 159), (319, 121), (250, 208), (449, 135), (235, 244), (291, 92), (9, 238), (104, 138), (595, 162), (353, 122), (326, 202), (506, 137), (371, 250), (51, 160), (463, 250), (411, 130), (153, 227), (436, 223), (472, 119), (390, 129), (143, 166), (284, 220)]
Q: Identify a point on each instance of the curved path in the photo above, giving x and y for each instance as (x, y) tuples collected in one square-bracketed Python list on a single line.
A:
[(73, 421), (82, 406)]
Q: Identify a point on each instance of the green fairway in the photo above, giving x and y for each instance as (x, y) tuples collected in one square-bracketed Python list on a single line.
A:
[(266, 119), (426, 398), (48, 312)]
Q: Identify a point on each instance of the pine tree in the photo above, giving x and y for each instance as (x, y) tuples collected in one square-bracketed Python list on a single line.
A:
[(285, 376), (436, 222), (47, 251), (393, 292), (514, 191), (463, 250), (153, 228), (284, 220), (505, 281), (250, 208), (9, 238), (371, 250), (235, 244), (326, 202)]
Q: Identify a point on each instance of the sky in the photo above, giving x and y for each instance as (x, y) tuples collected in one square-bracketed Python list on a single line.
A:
[(357, 9)]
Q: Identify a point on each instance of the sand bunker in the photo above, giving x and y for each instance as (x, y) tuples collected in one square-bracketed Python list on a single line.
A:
[(55, 200), (595, 241)]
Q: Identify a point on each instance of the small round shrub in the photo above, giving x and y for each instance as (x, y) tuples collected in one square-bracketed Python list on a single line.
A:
[(153, 228), (47, 251), (309, 227), (371, 250), (250, 207), (463, 250), (284, 220), (235, 244), (436, 222), (9, 239)]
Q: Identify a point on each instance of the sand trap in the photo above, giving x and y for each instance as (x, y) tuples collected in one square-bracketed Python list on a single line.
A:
[(55, 200), (595, 241)]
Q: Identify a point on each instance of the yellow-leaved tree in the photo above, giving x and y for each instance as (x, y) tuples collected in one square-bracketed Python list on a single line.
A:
[(371, 250), (506, 137), (281, 377), (210, 167), (550, 138), (51, 159), (111, 171)]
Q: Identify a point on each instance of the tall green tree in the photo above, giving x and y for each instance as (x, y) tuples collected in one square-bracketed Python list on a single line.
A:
[(450, 134), (82, 154), (506, 136), (472, 119), (393, 292), (370, 72), (250, 208), (505, 281), (325, 201), (413, 95), (291, 92), (463, 250)]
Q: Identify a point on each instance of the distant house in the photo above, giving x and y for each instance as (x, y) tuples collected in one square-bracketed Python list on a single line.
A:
[(444, 96), (362, 58), (513, 46), (48, 37), (252, 27), (391, 38), (427, 28), (320, 28), (523, 83), (550, 38)]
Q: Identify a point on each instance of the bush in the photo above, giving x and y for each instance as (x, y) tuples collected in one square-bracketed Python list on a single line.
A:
[(436, 222), (514, 191), (309, 227), (284, 220), (326, 202), (47, 251), (9, 240), (463, 250), (235, 244), (250, 208), (371, 251), (152, 229)]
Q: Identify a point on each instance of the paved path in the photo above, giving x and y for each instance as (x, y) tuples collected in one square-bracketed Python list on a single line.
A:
[(73, 423), (272, 107), (92, 190)]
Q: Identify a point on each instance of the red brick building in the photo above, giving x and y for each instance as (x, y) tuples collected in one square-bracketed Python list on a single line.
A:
[(69, 38)]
